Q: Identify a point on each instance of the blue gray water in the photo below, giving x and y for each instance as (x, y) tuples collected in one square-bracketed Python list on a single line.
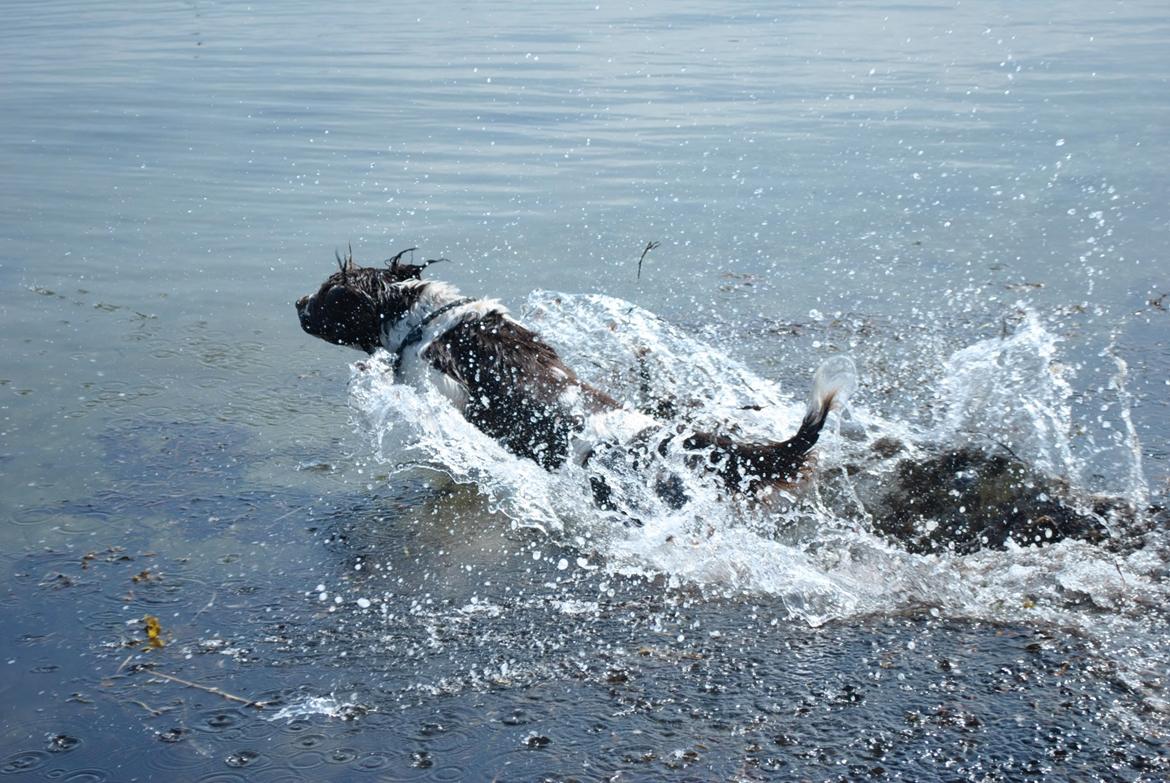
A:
[(899, 181)]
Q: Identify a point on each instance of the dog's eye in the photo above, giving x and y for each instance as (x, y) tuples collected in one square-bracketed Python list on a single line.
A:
[(340, 299)]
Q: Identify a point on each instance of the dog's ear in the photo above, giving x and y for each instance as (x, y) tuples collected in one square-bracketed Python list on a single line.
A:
[(401, 273), (395, 261), (345, 265), (398, 271)]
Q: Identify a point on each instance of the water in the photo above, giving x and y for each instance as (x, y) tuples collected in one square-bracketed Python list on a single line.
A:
[(967, 200)]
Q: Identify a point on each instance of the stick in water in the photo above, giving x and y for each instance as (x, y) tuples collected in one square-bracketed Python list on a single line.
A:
[(229, 696), (649, 246)]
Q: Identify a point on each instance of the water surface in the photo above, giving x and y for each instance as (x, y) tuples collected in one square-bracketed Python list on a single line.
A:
[(902, 182)]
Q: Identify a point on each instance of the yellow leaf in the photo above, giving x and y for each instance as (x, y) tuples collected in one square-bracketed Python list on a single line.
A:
[(153, 631)]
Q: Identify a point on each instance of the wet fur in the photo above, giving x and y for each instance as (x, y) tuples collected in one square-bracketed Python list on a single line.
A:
[(514, 387)]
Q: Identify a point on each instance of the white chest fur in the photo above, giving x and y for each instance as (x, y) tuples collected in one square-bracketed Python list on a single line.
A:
[(414, 370)]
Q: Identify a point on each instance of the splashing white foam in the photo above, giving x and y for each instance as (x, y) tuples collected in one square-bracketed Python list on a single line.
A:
[(324, 706), (1011, 390), (814, 554)]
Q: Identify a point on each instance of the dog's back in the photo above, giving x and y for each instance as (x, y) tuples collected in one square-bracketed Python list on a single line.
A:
[(518, 389), (514, 387)]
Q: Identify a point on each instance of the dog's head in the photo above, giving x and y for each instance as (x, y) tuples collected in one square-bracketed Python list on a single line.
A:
[(352, 305)]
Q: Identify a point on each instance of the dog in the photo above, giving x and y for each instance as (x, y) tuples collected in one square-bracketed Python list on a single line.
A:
[(514, 387)]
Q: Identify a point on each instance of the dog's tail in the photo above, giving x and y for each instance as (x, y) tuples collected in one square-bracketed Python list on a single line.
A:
[(748, 465), (833, 382)]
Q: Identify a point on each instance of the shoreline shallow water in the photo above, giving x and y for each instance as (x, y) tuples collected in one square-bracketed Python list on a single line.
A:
[(968, 200), (477, 659)]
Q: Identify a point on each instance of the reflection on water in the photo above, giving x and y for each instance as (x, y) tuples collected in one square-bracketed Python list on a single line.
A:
[(895, 181)]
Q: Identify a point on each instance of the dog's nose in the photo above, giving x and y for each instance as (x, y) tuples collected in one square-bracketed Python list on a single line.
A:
[(304, 300)]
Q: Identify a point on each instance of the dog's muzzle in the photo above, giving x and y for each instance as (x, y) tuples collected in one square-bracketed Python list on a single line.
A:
[(302, 306)]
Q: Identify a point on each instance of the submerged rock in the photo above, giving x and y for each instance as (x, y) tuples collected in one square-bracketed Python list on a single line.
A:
[(965, 499)]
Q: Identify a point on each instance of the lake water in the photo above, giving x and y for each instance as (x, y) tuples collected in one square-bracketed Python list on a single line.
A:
[(970, 199)]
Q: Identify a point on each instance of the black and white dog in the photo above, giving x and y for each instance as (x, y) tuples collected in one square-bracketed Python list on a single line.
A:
[(514, 387)]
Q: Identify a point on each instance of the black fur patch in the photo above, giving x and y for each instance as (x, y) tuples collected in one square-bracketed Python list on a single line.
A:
[(748, 467), (515, 383), (352, 306)]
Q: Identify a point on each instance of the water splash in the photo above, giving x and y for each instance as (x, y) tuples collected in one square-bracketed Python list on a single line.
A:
[(1011, 390), (323, 706), (816, 553)]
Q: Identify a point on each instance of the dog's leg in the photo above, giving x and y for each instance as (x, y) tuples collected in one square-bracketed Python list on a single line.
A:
[(603, 498), (602, 494)]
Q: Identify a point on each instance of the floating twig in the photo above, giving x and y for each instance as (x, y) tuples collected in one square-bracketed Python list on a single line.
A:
[(290, 512), (1008, 449), (649, 246), (207, 688), (152, 710), (209, 604), (122, 665)]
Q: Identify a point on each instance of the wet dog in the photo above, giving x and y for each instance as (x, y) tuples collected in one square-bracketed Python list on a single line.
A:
[(514, 387)]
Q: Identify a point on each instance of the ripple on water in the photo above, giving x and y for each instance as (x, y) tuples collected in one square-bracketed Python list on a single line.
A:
[(172, 735), (224, 777), (306, 759), (373, 761), (342, 755), (308, 741), (277, 774), (445, 730), (46, 519), (23, 762), (516, 717), (166, 590), (63, 743), (106, 621), (224, 723), (241, 758), (86, 776), (174, 755)]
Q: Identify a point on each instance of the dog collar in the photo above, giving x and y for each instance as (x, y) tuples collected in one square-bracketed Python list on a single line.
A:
[(415, 334)]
